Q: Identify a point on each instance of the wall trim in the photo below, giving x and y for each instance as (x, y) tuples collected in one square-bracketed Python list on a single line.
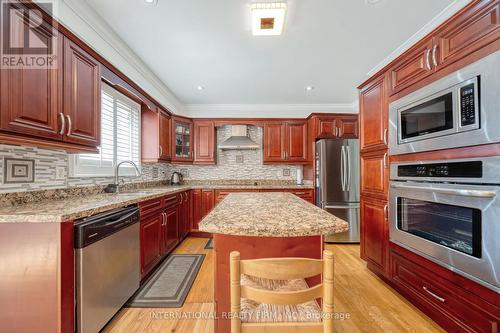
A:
[(266, 110), (445, 14), (92, 19)]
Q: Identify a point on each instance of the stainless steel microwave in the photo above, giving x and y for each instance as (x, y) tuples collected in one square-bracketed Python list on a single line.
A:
[(459, 110)]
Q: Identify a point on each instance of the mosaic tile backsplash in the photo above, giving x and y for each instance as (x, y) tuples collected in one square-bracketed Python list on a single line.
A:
[(51, 167)]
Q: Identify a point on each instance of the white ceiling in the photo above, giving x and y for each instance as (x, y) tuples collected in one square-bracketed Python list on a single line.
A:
[(329, 44)]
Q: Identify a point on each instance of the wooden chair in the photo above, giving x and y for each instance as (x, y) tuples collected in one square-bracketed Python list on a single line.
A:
[(281, 269)]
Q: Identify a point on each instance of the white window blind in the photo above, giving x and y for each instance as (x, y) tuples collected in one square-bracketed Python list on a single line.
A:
[(120, 138)]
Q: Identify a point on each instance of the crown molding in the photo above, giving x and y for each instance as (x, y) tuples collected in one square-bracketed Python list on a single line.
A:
[(266, 110), (96, 23), (439, 19)]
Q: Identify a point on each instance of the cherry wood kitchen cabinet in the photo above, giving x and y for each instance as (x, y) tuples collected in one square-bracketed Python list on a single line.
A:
[(285, 142), (156, 136), (375, 174), (374, 108), (57, 107), (184, 213), (182, 140), (151, 238), (82, 96), (31, 100), (170, 230), (207, 202), (219, 195), (204, 142), (375, 233), (306, 194), (336, 126), (196, 201)]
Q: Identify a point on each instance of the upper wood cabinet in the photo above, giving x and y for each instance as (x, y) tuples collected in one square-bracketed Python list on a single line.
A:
[(182, 140), (82, 96), (57, 107), (475, 29), (373, 115), (336, 126), (31, 99), (414, 66), (204, 142), (156, 135), (285, 142)]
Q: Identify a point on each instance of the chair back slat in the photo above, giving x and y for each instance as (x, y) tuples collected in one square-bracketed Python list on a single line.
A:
[(282, 268), (281, 297)]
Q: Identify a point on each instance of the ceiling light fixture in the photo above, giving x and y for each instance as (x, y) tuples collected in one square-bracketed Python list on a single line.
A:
[(151, 2), (268, 18), (200, 88), (309, 88)]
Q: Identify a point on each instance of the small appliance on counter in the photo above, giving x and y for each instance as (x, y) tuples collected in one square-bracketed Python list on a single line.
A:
[(176, 178)]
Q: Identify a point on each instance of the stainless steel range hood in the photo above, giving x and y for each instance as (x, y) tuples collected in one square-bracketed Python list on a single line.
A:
[(239, 139)]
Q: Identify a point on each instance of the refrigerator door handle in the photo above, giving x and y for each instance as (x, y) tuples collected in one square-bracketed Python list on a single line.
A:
[(342, 167), (348, 153)]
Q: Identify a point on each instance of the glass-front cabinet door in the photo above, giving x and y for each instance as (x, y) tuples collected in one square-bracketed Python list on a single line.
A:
[(183, 150)]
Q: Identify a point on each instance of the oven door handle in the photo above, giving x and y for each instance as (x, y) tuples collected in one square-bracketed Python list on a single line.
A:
[(465, 193)]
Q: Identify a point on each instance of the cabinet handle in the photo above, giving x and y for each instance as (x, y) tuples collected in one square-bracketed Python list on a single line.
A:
[(339, 132), (386, 212), (385, 136), (63, 123), (428, 59), (439, 298), (434, 60), (161, 151), (69, 125), (386, 164)]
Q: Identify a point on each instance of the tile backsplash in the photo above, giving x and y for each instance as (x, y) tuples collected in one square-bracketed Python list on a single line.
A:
[(51, 167)]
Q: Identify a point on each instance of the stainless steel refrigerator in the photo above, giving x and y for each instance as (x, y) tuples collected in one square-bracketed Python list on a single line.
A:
[(337, 184)]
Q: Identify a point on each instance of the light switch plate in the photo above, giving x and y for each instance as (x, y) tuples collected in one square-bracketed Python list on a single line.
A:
[(60, 173)]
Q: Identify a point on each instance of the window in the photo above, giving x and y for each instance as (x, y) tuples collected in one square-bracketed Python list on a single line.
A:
[(120, 138)]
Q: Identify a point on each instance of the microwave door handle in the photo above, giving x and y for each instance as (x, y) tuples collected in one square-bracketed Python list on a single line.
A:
[(465, 193)]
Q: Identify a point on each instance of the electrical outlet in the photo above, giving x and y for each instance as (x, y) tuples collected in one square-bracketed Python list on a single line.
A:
[(155, 172), (239, 159), (60, 173), (185, 172), (286, 172)]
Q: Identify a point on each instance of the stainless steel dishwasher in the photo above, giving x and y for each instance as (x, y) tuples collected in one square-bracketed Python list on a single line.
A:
[(107, 264)]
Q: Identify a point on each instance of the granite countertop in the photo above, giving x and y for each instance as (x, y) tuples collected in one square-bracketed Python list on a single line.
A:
[(82, 205), (270, 215)]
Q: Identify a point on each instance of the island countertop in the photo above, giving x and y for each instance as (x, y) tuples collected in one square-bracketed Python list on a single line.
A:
[(270, 215)]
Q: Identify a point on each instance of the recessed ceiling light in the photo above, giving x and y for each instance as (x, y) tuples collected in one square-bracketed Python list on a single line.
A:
[(151, 2), (309, 88), (268, 18), (373, 2), (200, 88)]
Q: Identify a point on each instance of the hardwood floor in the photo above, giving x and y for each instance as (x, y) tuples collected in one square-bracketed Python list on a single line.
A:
[(368, 304)]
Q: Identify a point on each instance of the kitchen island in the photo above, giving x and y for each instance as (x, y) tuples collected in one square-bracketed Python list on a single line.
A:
[(264, 225)]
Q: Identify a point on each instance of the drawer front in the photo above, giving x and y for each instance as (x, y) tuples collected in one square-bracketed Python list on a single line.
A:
[(307, 195), (375, 174), (221, 194), (443, 300), (170, 201), (149, 207)]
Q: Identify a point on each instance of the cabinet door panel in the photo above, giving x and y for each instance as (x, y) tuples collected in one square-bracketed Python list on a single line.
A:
[(477, 28), (374, 232), (31, 98), (347, 127), (204, 137), (274, 142), (172, 229), (150, 243), (208, 202), (196, 198), (374, 110), (413, 67), (375, 174), (164, 133), (82, 96), (326, 128), (296, 140)]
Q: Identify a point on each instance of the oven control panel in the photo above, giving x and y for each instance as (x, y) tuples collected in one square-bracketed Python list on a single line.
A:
[(470, 169), (468, 105)]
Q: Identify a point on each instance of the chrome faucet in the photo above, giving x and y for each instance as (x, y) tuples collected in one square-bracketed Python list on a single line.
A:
[(115, 187)]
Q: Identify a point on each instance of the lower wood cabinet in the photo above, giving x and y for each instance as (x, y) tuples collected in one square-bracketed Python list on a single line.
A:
[(151, 230), (184, 214), (374, 233), (456, 307), (170, 230), (203, 201)]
